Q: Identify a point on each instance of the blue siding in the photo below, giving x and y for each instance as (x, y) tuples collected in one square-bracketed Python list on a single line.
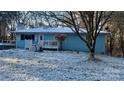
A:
[(20, 44), (73, 42), (100, 44), (48, 37)]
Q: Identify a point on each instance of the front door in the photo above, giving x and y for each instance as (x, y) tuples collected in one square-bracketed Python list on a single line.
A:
[(40, 41), (28, 44)]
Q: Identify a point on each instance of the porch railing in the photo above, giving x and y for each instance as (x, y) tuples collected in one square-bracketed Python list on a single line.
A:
[(46, 44), (8, 42), (51, 44)]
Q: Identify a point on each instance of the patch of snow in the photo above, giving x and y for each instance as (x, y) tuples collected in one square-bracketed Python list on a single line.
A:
[(16, 64)]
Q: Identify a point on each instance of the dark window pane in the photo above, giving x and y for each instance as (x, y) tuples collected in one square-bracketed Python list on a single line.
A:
[(32, 37), (22, 37), (27, 37), (41, 37)]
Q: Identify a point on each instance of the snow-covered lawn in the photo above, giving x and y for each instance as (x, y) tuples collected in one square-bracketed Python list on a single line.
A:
[(53, 65)]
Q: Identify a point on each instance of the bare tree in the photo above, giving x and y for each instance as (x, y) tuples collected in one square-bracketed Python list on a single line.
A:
[(6, 19), (94, 22), (111, 39), (37, 19), (117, 21)]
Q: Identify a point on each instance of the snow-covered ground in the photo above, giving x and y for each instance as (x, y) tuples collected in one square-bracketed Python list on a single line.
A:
[(53, 65)]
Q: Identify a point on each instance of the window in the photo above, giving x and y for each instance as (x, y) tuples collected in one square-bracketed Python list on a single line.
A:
[(22, 37), (27, 37), (41, 37)]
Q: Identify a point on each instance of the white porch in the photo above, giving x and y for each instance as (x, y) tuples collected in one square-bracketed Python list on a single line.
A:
[(44, 44)]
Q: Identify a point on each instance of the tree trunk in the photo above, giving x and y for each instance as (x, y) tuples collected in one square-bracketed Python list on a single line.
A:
[(92, 50), (123, 53), (122, 46), (122, 43), (111, 46), (92, 55)]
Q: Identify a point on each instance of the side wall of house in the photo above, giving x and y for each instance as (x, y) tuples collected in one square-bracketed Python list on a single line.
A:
[(74, 43), (100, 44)]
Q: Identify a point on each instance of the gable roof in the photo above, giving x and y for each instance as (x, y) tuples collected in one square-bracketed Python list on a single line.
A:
[(51, 30)]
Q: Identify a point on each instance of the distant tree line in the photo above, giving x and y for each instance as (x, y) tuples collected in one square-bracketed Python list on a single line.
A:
[(115, 42)]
